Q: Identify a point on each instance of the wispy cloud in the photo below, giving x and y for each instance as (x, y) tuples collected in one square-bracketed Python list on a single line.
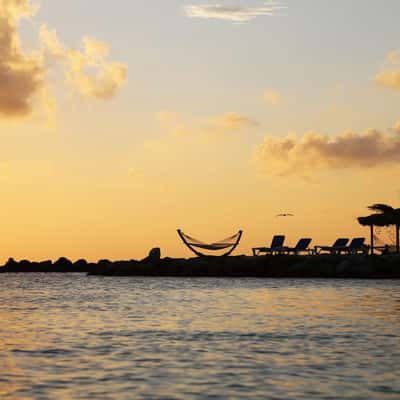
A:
[(390, 78), (233, 13), (314, 152), (393, 57), (272, 97), (233, 121), (206, 128)]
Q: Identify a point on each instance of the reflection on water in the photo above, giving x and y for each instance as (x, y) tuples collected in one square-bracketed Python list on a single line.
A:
[(72, 336)]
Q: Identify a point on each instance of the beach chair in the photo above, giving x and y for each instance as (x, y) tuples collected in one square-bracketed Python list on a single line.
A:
[(301, 247), (336, 248), (276, 246), (357, 246)]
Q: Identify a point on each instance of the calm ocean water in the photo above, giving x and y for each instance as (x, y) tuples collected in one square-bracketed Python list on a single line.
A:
[(79, 337)]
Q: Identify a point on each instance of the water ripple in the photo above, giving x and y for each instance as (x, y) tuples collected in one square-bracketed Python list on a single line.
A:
[(89, 337)]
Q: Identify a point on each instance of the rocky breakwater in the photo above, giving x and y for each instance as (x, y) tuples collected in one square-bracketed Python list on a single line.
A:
[(62, 265), (321, 266)]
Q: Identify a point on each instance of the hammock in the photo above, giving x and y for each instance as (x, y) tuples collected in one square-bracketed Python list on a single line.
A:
[(228, 243)]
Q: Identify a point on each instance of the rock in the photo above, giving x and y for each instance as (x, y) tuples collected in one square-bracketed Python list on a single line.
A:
[(104, 265), (343, 267), (154, 256), (63, 264), (45, 266), (11, 263), (80, 263), (362, 270), (104, 262), (81, 266), (25, 265)]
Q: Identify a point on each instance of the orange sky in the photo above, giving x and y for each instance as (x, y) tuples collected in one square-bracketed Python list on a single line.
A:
[(115, 134)]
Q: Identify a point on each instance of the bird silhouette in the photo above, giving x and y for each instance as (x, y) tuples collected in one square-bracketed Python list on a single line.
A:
[(285, 215)]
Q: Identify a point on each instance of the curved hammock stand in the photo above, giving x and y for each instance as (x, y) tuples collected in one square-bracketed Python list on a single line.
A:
[(228, 243)]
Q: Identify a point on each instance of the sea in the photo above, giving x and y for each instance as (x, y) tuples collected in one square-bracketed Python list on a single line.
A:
[(72, 336)]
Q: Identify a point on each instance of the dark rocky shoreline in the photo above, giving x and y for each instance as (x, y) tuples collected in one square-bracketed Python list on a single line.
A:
[(321, 266)]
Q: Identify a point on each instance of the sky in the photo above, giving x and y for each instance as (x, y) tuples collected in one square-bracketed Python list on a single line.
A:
[(121, 122)]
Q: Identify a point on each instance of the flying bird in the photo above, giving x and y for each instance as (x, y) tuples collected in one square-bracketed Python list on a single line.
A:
[(285, 215)]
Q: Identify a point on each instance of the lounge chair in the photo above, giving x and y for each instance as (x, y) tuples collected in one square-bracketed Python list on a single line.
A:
[(357, 246), (301, 247), (276, 246), (336, 248)]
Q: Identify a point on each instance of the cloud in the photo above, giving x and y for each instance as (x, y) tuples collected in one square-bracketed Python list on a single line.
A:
[(205, 128), (232, 121), (390, 78), (393, 57), (24, 73), (397, 127), (313, 152), (21, 75), (87, 69), (171, 121), (233, 13), (272, 97)]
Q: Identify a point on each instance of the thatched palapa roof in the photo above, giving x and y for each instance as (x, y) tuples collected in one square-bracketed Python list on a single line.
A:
[(376, 220), (386, 216)]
